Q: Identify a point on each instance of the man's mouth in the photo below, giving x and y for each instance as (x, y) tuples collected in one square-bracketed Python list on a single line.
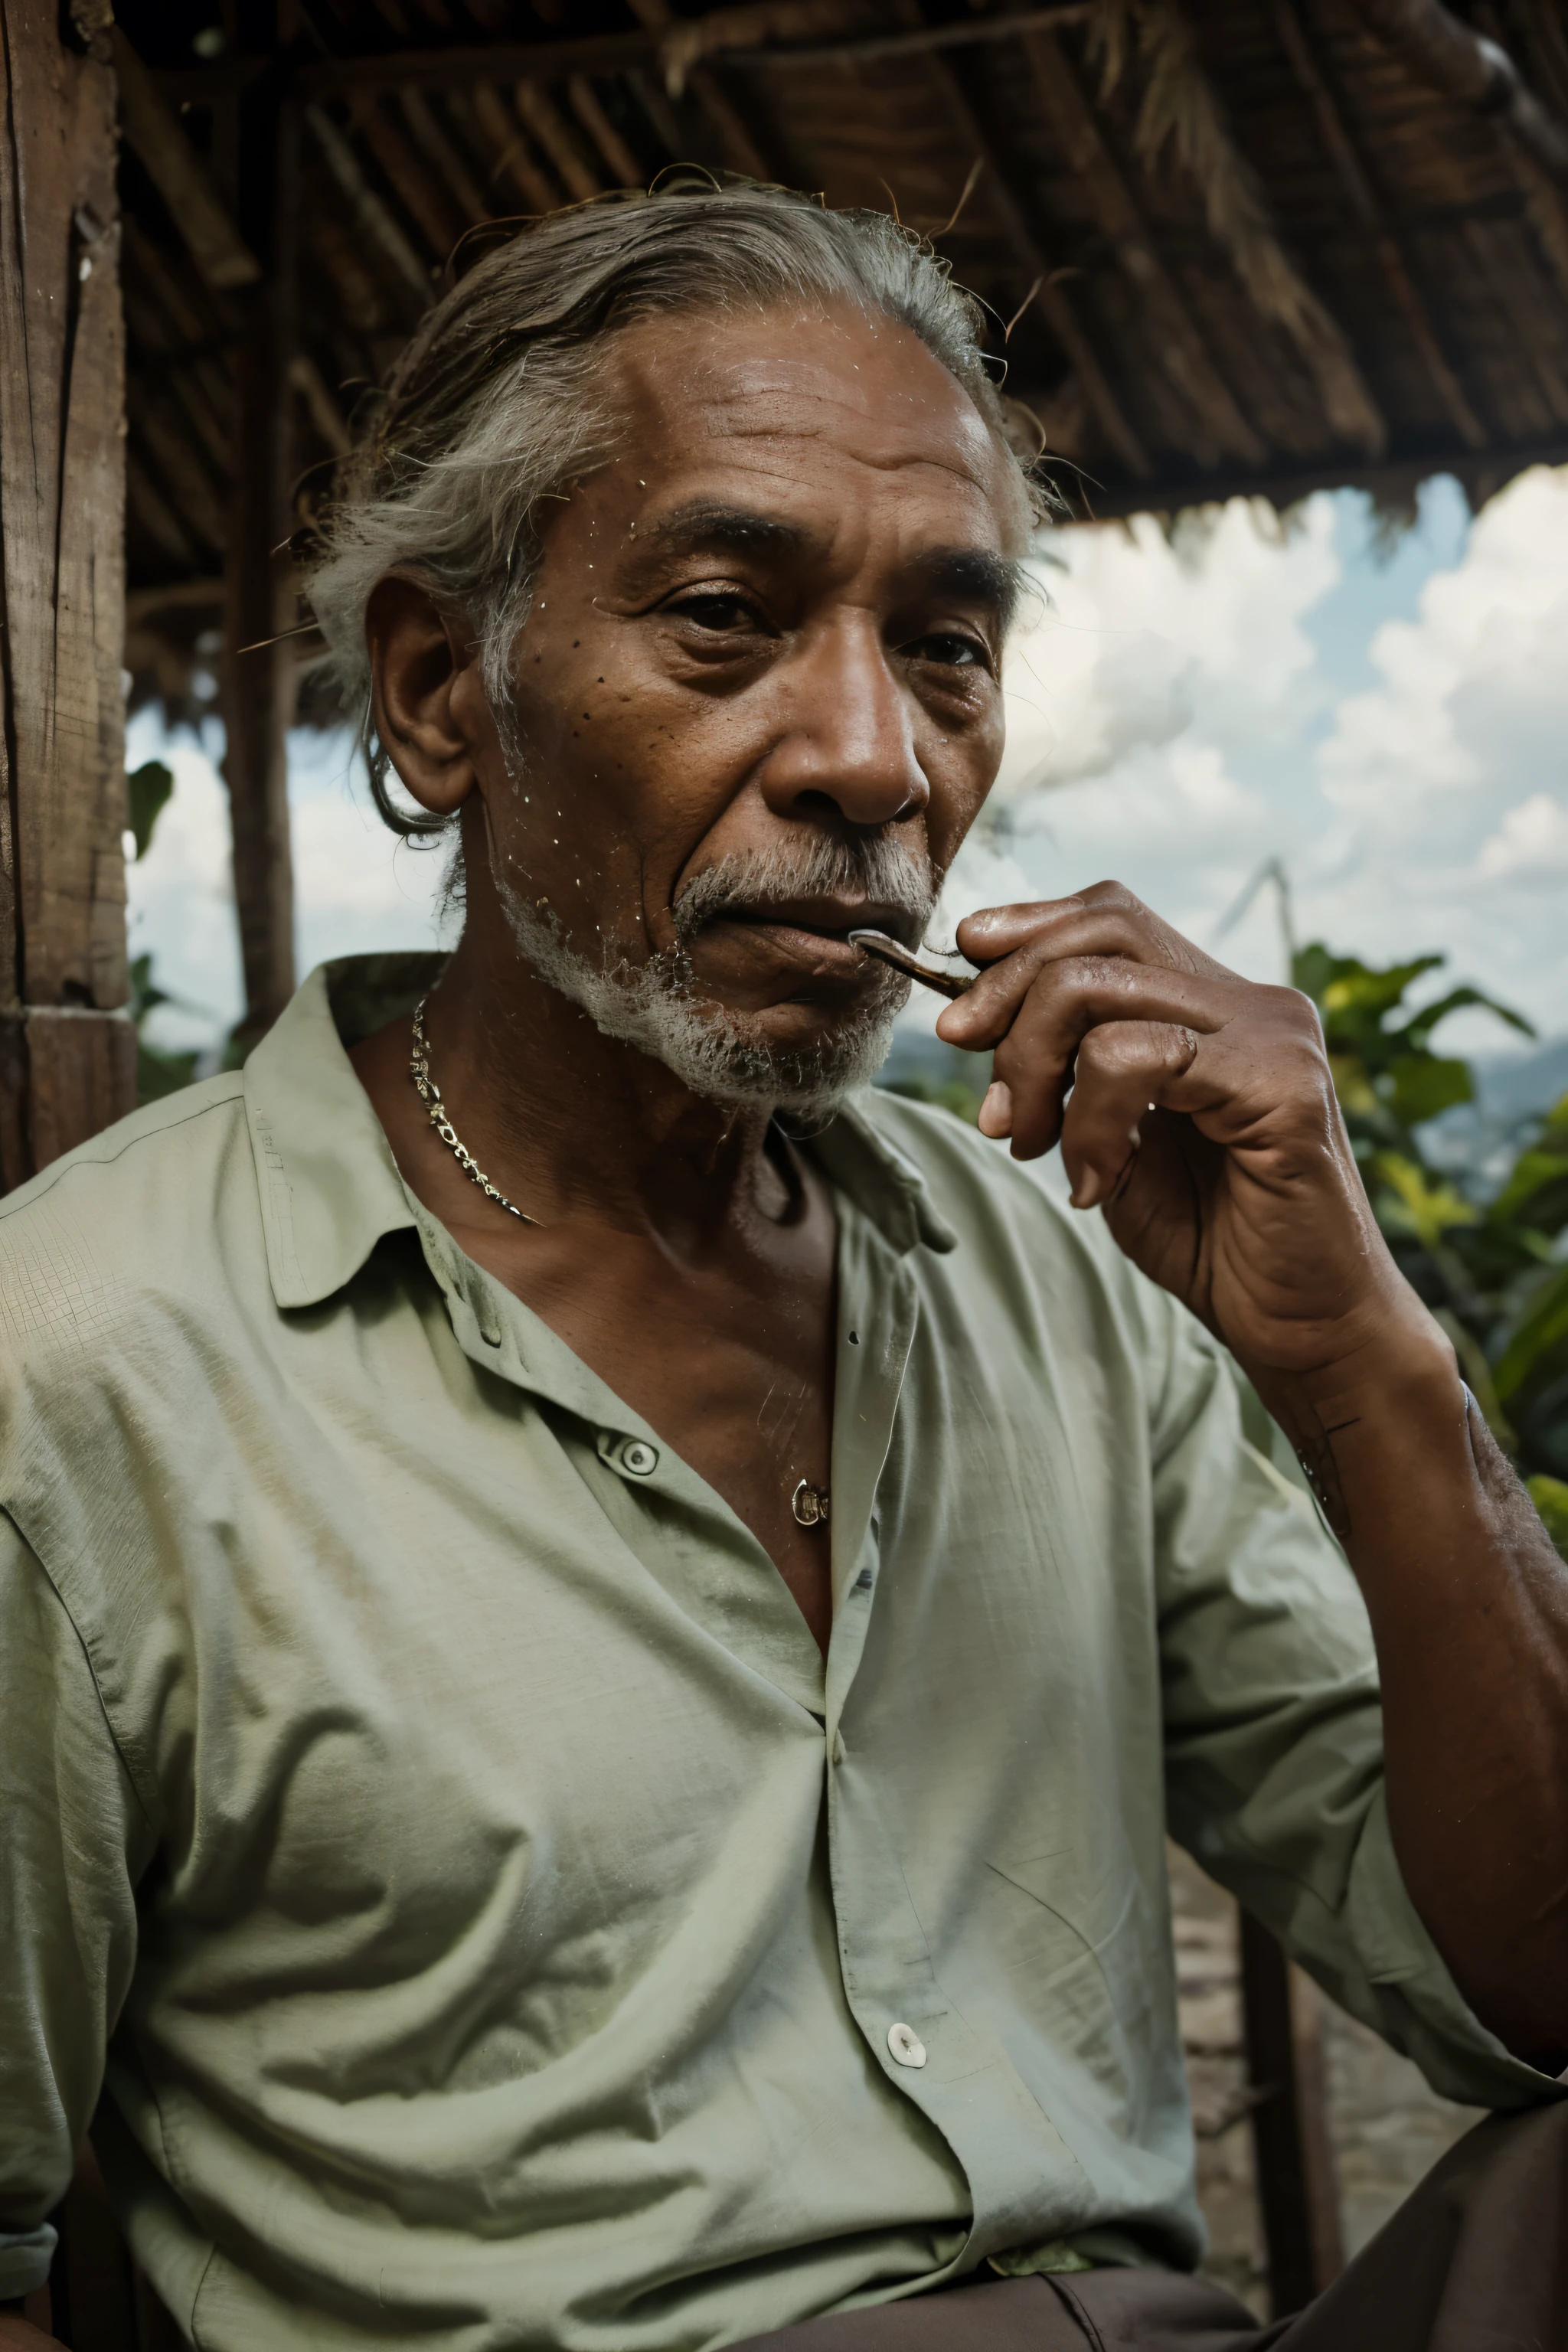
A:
[(815, 931)]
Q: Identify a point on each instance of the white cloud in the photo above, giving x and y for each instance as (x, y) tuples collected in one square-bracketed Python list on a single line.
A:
[(1473, 693), (1179, 716), (1142, 643), (1530, 846), (1452, 769)]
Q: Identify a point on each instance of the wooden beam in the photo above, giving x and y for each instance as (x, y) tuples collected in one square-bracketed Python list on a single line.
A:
[(617, 53), (257, 678), (534, 104), (426, 197), (429, 136), (371, 217), (1479, 74), (511, 155), (1336, 137), (723, 36), (741, 150), (1295, 2191), (66, 1055), (624, 170), (155, 132), (1394, 477)]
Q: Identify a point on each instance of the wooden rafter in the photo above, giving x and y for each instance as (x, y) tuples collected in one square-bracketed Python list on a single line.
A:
[(441, 155), (153, 130), (534, 103), (741, 150), (423, 194), (1355, 179), (624, 168), (370, 214), (1184, 347), (1040, 268)]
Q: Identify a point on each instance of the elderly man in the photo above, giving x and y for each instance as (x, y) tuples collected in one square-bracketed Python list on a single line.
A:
[(602, 1628)]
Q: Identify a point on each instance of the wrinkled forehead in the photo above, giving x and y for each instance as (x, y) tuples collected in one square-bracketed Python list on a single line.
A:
[(820, 401)]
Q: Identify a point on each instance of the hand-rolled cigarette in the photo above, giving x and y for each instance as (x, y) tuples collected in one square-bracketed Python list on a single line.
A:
[(905, 960)]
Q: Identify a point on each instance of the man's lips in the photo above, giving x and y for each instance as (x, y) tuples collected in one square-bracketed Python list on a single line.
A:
[(814, 930)]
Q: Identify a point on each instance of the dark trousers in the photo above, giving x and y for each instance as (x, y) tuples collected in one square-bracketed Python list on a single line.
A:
[(1475, 2261)]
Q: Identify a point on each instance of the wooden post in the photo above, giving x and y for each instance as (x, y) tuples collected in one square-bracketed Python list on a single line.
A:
[(257, 677), (68, 1055), (1297, 2192)]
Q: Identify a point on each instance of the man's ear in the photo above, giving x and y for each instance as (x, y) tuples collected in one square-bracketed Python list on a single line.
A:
[(418, 660)]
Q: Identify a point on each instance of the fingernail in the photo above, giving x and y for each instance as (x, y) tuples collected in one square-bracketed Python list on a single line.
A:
[(996, 1110), (1090, 1187)]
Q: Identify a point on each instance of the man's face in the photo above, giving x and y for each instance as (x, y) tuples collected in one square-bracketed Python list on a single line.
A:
[(772, 630)]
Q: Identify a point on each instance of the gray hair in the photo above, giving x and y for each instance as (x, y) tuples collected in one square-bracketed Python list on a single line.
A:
[(501, 398)]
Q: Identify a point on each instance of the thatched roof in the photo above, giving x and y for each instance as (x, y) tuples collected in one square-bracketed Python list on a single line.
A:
[(1257, 245)]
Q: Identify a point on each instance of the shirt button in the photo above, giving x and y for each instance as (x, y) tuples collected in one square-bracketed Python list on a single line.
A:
[(640, 1459), (906, 2045)]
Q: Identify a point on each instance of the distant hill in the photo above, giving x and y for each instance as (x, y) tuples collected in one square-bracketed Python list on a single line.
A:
[(1479, 1139)]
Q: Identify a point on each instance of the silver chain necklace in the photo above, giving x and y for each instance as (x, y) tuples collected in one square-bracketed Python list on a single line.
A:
[(429, 1094)]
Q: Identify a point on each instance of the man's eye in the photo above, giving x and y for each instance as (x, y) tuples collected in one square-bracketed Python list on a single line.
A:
[(950, 647), (719, 610)]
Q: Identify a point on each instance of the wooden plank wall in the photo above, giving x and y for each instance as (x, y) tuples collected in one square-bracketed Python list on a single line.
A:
[(68, 1054)]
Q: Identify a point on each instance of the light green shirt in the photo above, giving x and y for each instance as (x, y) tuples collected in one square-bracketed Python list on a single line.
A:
[(430, 1822)]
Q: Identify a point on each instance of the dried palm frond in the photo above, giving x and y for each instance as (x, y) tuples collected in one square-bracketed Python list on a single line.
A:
[(1180, 121)]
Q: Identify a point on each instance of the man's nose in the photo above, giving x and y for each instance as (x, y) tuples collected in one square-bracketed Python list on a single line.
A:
[(847, 737)]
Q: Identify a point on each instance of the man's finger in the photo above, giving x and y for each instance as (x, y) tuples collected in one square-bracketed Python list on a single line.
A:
[(1126, 1069), (1062, 997), (1036, 1057)]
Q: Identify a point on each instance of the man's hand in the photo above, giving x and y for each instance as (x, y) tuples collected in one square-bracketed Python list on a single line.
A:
[(1202, 1114)]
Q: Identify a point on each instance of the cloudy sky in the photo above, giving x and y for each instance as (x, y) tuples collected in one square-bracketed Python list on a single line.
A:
[(1391, 725)]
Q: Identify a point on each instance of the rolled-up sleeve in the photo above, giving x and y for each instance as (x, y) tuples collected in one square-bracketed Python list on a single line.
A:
[(1273, 1727), (73, 1841)]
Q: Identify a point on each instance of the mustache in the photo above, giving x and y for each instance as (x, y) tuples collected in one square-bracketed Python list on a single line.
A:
[(876, 869)]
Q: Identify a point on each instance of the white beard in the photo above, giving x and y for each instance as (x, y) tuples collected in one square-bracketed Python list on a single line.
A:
[(723, 1057)]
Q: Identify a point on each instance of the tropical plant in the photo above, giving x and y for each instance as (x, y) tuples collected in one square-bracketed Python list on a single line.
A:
[(1491, 1261)]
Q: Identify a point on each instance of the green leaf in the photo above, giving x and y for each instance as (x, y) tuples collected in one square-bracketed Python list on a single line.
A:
[(1544, 1323), (145, 992), (1418, 1206), (1549, 1497), (1460, 1000), (1423, 1085), (1531, 1174), (148, 788)]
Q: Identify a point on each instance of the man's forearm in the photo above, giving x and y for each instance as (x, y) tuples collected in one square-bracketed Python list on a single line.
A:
[(1468, 1603)]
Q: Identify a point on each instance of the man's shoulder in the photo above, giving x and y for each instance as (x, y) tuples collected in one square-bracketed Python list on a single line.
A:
[(132, 1203)]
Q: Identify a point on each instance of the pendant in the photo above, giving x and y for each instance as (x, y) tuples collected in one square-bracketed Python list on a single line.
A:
[(809, 1504)]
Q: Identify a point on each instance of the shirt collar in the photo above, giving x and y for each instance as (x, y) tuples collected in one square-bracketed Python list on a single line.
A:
[(330, 1187), (329, 1184)]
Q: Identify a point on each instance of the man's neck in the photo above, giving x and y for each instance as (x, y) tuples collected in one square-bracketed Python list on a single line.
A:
[(566, 1121)]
